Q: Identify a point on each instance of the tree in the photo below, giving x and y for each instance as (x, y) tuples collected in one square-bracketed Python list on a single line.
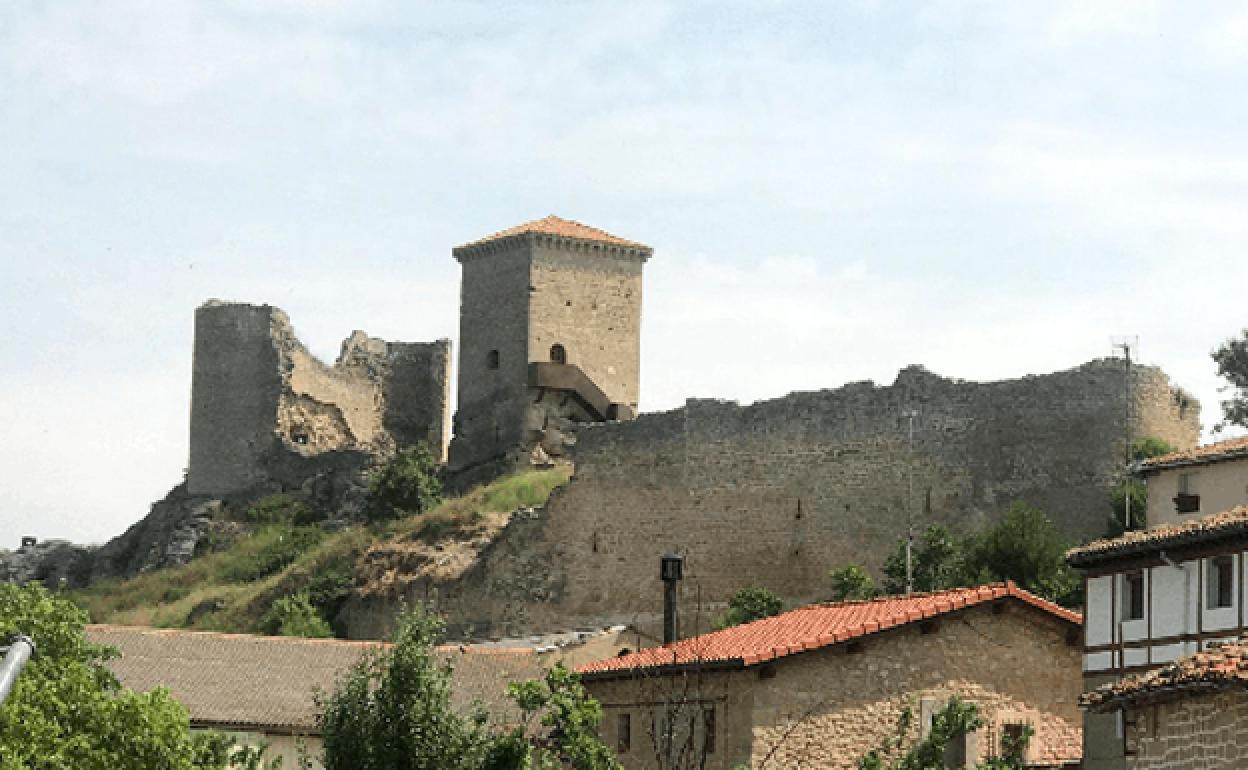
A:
[(937, 559), (294, 615), (956, 718), (1128, 498), (1025, 547), (566, 733), (851, 582), (407, 484), (750, 604), (1232, 361), (67, 710), (392, 711)]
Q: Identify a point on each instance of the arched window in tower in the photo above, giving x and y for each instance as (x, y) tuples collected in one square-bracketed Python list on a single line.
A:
[(557, 354), (491, 359)]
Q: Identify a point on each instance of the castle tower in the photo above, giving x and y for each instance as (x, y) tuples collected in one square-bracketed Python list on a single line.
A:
[(550, 324)]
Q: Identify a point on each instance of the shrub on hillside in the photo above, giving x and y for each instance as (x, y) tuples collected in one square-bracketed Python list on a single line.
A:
[(294, 615), (278, 547), (407, 484), (279, 509)]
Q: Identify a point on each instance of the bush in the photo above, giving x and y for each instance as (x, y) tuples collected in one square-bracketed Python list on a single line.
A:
[(294, 615), (407, 484), (278, 547), (750, 604), (278, 509), (850, 583)]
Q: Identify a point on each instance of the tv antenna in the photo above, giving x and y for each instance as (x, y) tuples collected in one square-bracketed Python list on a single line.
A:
[(1129, 347), (910, 414)]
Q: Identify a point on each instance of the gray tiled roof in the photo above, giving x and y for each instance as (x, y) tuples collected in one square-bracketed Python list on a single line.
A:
[(268, 683)]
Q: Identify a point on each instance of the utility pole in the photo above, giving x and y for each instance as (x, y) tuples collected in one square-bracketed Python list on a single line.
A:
[(910, 415)]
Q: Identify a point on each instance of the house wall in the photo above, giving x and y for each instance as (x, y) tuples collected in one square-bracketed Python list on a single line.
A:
[(288, 748), (1196, 732), (1016, 666), (1221, 486)]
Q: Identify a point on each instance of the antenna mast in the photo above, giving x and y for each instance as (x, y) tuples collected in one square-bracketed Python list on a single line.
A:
[(910, 415), (1127, 345)]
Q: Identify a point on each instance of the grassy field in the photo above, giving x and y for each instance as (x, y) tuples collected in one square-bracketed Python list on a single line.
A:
[(233, 589)]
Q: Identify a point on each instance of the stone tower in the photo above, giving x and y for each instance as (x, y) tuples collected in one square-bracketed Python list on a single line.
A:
[(550, 323)]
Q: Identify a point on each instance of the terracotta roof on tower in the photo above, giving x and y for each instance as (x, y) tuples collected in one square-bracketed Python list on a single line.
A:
[(1214, 527), (1207, 453), (1218, 668), (560, 227), (816, 626)]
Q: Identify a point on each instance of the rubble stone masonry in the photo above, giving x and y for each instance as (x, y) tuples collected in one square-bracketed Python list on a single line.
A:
[(1200, 731)]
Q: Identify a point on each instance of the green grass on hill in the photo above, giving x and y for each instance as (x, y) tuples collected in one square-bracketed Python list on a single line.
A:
[(233, 589)]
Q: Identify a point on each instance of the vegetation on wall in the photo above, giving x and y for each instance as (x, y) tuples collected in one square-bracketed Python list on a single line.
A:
[(1128, 497), (407, 484), (954, 720), (750, 604)]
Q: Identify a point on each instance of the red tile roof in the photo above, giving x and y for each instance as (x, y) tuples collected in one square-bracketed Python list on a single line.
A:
[(560, 227), (816, 626), (1222, 667), (1205, 529), (1208, 453), (267, 683)]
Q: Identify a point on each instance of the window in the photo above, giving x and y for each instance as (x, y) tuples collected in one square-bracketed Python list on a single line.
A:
[(1014, 736), (623, 733), (558, 355), (491, 359), (1133, 595), (1220, 581), (1188, 499)]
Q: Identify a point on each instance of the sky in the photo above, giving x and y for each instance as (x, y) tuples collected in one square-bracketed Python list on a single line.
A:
[(833, 191)]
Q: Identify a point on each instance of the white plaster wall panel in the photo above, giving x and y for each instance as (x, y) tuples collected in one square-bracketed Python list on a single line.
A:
[(1169, 588), (1135, 656), (1098, 661), (1164, 653), (1098, 622)]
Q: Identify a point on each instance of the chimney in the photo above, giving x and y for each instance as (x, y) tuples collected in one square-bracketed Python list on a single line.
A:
[(671, 570)]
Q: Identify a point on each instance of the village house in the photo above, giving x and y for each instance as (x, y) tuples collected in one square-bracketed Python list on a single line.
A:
[(1203, 480), (1189, 714), (820, 686), (1157, 595), (262, 689)]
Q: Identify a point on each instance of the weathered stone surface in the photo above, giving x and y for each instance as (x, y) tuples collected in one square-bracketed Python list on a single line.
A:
[(56, 563), (265, 410), (779, 492)]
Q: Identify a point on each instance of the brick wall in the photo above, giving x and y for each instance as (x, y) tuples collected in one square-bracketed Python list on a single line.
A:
[(827, 708)]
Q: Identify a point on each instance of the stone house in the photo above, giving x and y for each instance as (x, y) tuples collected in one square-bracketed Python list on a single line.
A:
[(1192, 713), (1203, 480), (819, 686), (1152, 597), (263, 688)]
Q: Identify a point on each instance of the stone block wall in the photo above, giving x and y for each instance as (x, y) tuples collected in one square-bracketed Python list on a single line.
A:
[(826, 709), (261, 403), (1199, 730)]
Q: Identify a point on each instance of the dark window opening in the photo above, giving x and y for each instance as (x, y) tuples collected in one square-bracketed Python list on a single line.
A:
[(1133, 599), (623, 733), (1013, 741), (1222, 582), (299, 438), (558, 354), (491, 359)]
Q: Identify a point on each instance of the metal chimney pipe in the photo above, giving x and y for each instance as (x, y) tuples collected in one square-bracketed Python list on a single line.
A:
[(671, 570), (19, 652)]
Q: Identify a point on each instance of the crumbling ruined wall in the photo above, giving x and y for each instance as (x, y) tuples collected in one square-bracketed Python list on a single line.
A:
[(779, 492), (262, 404)]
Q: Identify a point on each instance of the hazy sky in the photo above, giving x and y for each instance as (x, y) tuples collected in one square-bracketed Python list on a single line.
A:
[(833, 191)]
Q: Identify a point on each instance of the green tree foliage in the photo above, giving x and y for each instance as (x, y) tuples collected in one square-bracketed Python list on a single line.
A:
[(68, 711), (937, 560), (851, 582), (407, 484), (956, 718), (294, 615), (566, 729), (750, 604), (393, 710), (1128, 498), (1025, 547), (1232, 360)]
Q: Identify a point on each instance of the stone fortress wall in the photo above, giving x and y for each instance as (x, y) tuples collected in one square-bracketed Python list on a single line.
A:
[(260, 402), (781, 491)]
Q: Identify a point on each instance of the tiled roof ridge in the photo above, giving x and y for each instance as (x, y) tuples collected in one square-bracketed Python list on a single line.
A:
[(765, 639), (1212, 452), (558, 227), (1201, 529)]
